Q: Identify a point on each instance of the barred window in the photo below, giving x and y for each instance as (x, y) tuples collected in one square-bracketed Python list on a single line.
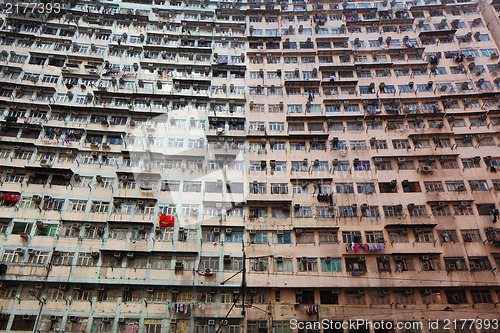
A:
[(63, 259), (86, 259)]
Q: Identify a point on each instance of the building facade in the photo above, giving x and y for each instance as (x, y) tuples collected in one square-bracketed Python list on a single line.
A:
[(198, 166)]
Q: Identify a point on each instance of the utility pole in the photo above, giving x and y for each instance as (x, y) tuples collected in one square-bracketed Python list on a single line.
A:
[(243, 279), (41, 301)]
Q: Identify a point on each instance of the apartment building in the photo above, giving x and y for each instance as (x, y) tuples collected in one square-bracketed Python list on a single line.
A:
[(122, 166), (372, 164), (197, 166)]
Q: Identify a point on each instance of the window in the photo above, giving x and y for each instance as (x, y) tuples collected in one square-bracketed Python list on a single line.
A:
[(191, 186), (351, 237), (455, 264), (405, 297), (259, 264), (283, 189), (481, 296), (86, 259), (305, 238), (347, 211), (331, 265), (11, 256), (456, 186), (259, 237), (417, 211), (328, 237), (46, 230), (374, 237), (78, 205), (209, 262), (424, 235), (282, 237), (471, 235), (307, 264), (283, 264), (344, 188), (99, 207), (370, 211), (470, 163), (303, 212), (433, 296), (378, 144), (435, 186), (447, 236), (398, 236), (478, 185), (400, 144), (21, 228), (384, 165), (365, 188), (152, 325), (355, 264), (393, 211)]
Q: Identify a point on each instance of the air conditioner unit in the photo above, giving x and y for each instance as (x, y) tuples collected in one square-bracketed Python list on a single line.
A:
[(398, 258), (179, 265), (77, 287), (426, 170), (451, 267), (209, 271)]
